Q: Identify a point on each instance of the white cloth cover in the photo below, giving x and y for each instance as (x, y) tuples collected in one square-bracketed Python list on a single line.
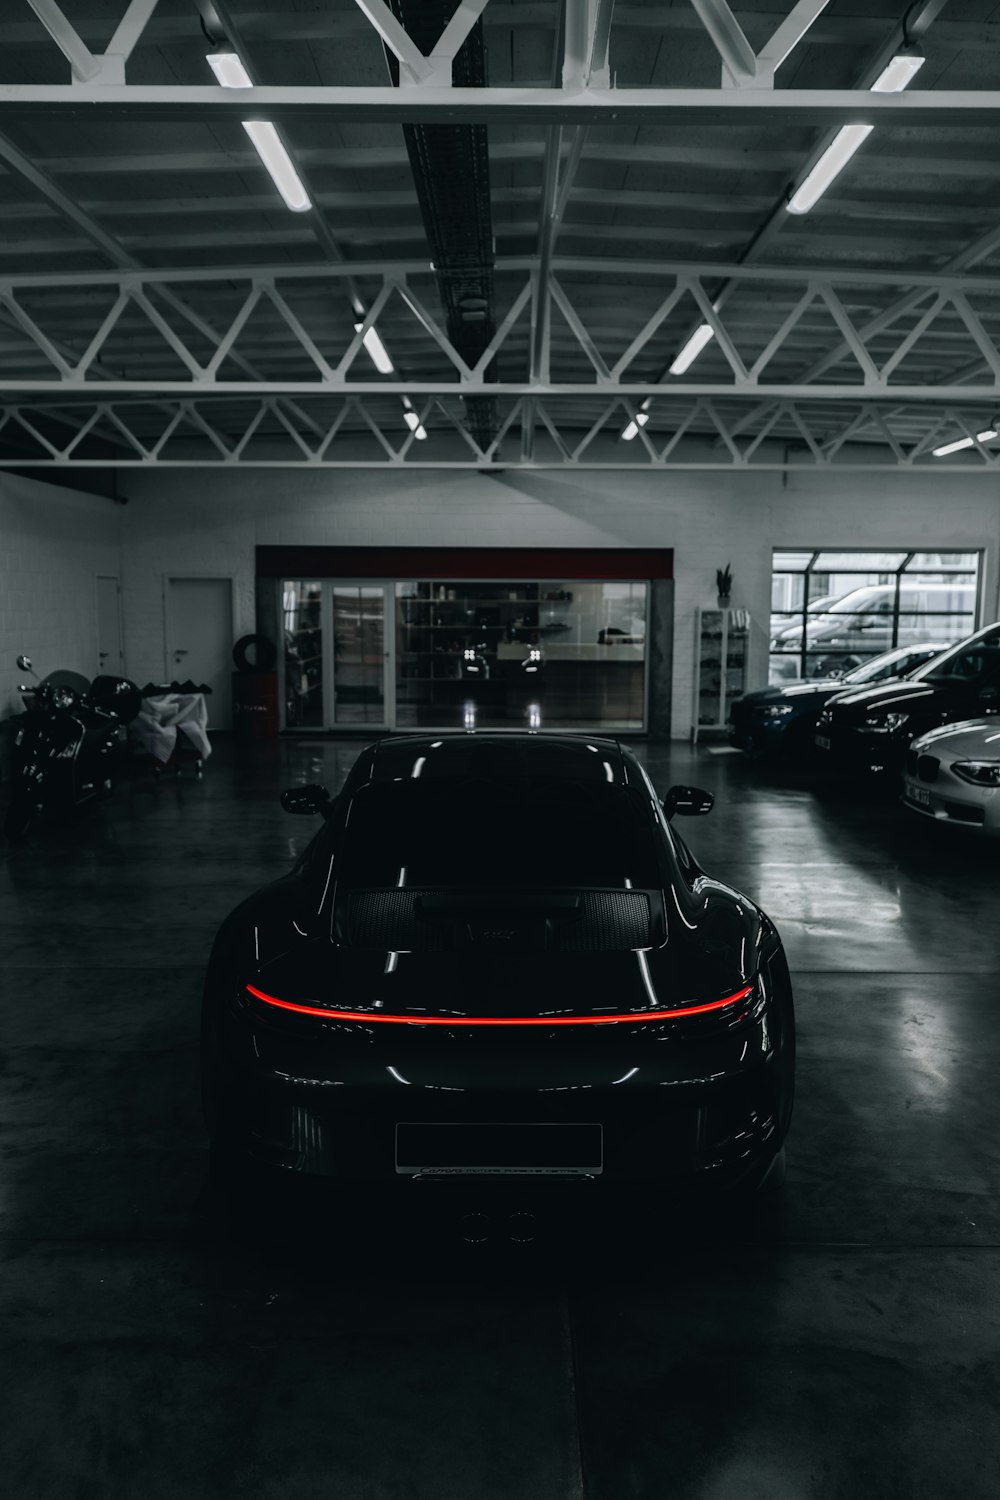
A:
[(159, 719)]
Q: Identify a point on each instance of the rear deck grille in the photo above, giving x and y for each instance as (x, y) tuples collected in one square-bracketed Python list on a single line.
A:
[(603, 921)]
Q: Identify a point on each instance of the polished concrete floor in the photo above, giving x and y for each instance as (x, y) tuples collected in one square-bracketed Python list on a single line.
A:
[(845, 1347)]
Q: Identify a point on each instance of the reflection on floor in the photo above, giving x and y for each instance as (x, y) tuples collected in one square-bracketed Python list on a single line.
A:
[(845, 1348)]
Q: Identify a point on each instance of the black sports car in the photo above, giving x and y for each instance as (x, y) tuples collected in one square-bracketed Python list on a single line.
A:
[(497, 961), (781, 720), (867, 730)]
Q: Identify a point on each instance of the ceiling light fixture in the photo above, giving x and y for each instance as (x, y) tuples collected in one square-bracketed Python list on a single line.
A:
[(702, 335), (640, 420), (230, 72), (901, 71), (966, 442), (376, 350), (415, 425)]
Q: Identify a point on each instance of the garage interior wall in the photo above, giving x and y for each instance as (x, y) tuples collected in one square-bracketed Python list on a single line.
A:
[(54, 542), (200, 523)]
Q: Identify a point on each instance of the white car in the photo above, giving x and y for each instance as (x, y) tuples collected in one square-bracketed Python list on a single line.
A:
[(952, 773)]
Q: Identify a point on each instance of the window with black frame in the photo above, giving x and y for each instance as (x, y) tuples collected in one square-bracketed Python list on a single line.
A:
[(832, 611)]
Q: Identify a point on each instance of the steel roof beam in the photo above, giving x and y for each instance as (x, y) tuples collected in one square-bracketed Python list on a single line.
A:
[(517, 266), (988, 392), (87, 67), (83, 64), (717, 108), (738, 57), (787, 37)]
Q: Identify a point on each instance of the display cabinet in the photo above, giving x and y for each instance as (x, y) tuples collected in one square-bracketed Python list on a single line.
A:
[(721, 666)]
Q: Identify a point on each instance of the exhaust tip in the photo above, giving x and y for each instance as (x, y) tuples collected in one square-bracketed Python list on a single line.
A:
[(521, 1227), (474, 1228)]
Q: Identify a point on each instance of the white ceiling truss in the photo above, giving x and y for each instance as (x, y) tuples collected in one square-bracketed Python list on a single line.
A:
[(641, 157), (360, 430)]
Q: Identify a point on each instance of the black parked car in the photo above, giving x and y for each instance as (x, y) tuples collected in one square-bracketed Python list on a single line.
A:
[(782, 719), (498, 965), (868, 730)]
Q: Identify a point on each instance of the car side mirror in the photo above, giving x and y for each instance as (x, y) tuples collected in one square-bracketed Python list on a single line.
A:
[(24, 663), (689, 801), (307, 800)]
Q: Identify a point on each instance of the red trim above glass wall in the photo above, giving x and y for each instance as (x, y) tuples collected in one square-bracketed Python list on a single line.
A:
[(465, 562)]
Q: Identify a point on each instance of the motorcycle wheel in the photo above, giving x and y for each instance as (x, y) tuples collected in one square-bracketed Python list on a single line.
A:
[(20, 815)]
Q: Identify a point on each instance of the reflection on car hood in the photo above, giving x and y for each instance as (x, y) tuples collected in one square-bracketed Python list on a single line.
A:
[(795, 693), (894, 695), (973, 737)]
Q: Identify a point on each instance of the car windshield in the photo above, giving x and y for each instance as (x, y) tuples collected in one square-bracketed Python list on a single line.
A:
[(892, 664), (497, 831), (858, 599)]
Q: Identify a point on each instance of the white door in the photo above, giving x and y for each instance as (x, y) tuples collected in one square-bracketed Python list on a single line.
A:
[(199, 619), (110, 659)]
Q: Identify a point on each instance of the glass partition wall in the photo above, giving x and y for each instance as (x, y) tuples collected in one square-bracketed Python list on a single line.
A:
[(831, 611), (302, 619), (447, 654)]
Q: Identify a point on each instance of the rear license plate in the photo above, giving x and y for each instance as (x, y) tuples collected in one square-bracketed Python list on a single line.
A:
[(918, 795), (498, 1150), (822, 742)]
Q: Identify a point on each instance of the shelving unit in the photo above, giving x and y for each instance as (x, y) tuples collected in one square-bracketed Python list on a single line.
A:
[(721, 667), (437, 625)]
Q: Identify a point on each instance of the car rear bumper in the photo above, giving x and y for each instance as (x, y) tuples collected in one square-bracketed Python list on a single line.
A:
[(717, 1131)]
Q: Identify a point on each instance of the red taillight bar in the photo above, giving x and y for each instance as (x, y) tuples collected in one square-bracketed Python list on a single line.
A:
[(367, 1015)]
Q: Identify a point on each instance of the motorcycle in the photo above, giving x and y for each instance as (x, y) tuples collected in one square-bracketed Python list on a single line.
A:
[(68, 744)]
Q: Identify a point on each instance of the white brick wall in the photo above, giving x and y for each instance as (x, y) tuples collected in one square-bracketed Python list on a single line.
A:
[(53, 544), (187, 523)]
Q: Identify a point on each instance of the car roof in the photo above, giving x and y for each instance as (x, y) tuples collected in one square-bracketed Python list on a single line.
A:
[(584, 757)]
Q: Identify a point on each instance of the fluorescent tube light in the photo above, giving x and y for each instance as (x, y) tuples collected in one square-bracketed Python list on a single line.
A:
[(966, 442), (414, 424), (830, 165), (892, 80), (231, 73), (641, 418), (899, 74), (229, 70), (702, 335), (376, 351)]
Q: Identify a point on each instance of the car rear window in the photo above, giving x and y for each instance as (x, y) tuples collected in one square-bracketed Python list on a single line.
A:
[(497, 831)]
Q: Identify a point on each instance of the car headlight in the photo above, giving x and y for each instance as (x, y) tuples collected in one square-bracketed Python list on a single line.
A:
[(885, 723), (978, 772), (776, 710)]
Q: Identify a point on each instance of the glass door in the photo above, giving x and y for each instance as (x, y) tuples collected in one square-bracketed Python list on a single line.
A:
[(361, 666)]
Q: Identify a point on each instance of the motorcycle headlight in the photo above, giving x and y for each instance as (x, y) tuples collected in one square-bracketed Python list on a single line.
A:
[(978, 772), (776, 710)]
